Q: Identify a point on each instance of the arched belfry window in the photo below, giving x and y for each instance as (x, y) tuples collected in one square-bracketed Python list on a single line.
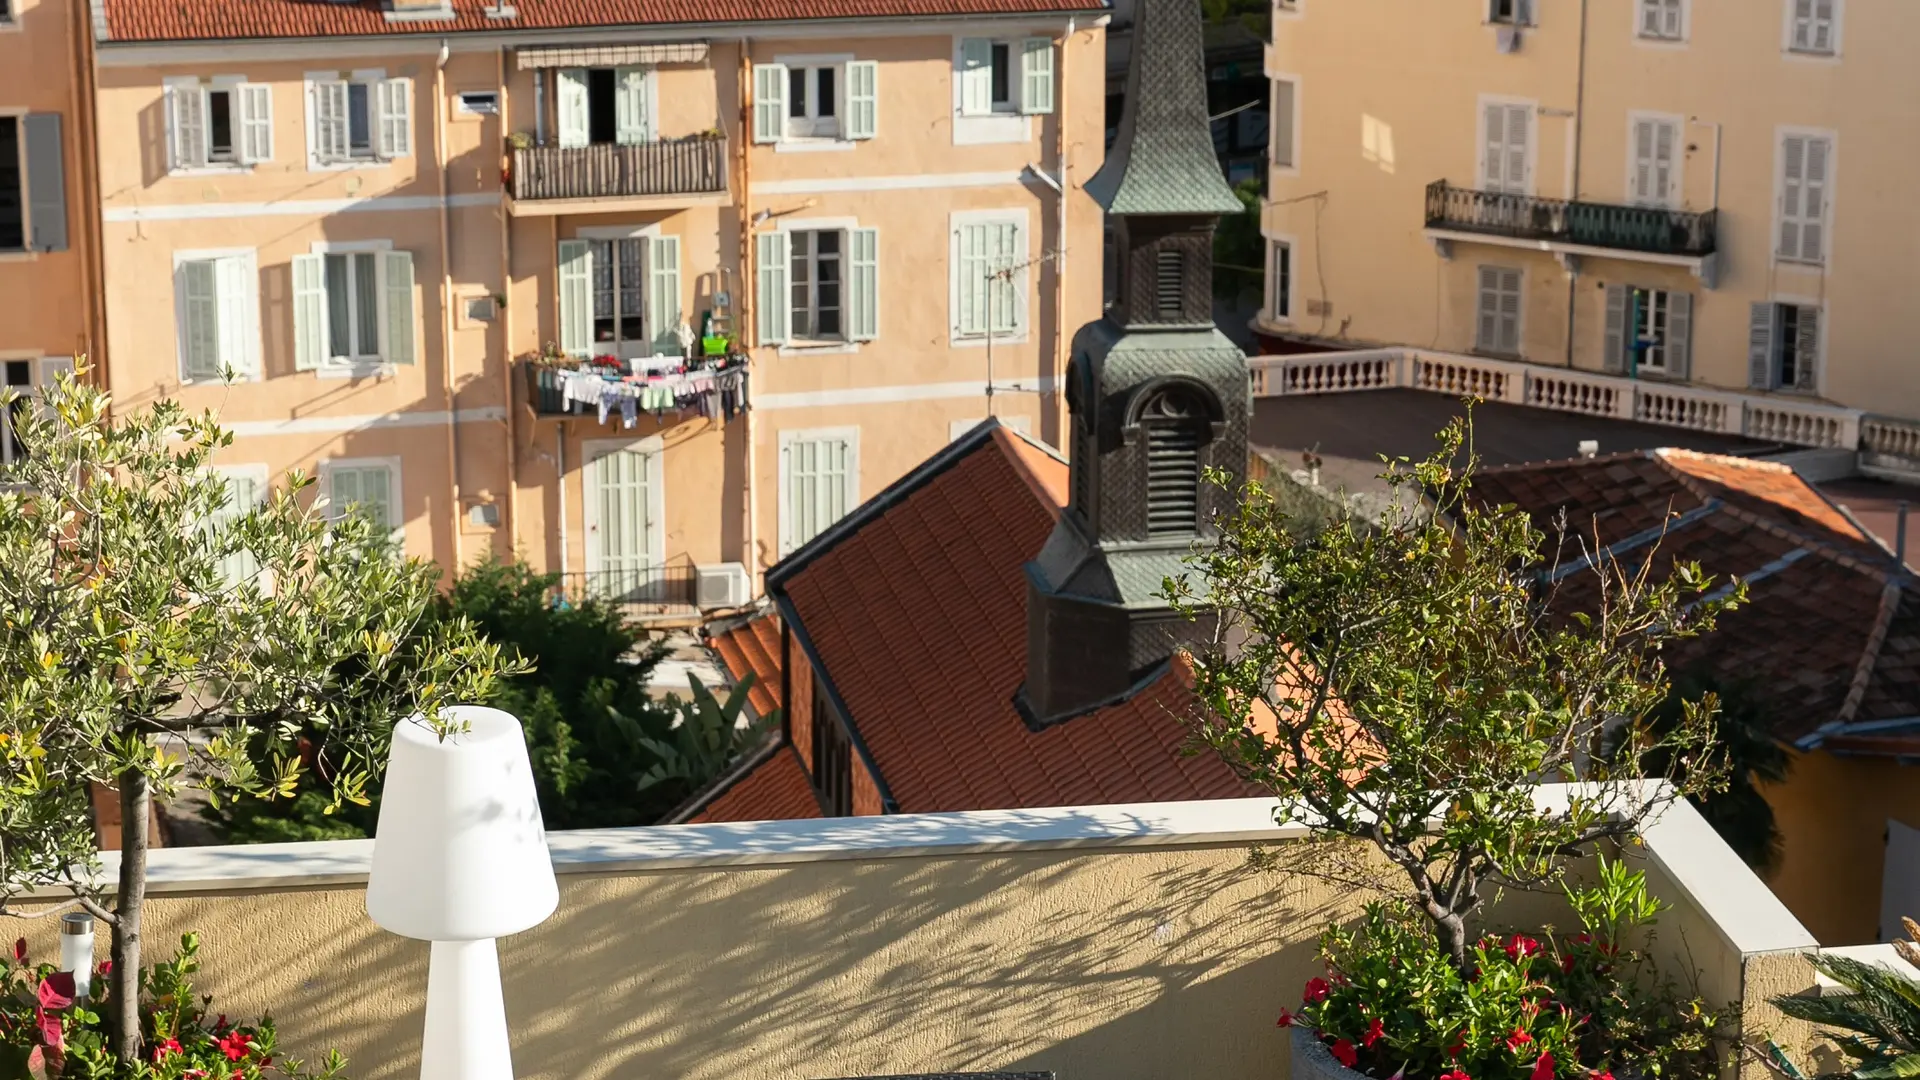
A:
[(1175, 424)]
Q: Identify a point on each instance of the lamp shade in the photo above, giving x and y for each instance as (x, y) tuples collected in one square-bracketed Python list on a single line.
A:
[(459, 853)]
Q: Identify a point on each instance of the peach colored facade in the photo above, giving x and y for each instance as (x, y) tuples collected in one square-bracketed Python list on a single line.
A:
[(475, 459)]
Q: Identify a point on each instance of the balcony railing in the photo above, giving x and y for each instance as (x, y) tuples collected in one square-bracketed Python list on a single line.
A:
[(636, 591), (1603, 225), (694, 165)]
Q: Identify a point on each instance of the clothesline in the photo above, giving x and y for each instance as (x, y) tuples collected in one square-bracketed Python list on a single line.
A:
[(713, 393)]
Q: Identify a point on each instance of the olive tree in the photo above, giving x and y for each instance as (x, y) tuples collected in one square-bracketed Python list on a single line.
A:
[(1411, 682), (153, 635)]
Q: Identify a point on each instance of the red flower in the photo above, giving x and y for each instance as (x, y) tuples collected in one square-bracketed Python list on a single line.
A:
[(1344, 1053), (1317, 990), (1520, 945), (1457, 1074), (56, 990), (235, 1045), (1518, 1039), (1286, 1019), (1602, 1074), (20, 951), (162, 1049), (1543, 1069), (1566, 964), (1582, 938), (1375, 1032), (106, 968), (1459, 1044)]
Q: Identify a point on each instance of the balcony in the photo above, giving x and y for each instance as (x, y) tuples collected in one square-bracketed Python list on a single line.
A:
[(665, 173), (718, 375), (1571, 229)]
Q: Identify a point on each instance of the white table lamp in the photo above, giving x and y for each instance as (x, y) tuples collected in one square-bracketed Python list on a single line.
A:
[(460, 858)]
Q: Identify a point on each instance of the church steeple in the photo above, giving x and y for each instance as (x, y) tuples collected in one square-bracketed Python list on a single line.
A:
[(1156, 394)]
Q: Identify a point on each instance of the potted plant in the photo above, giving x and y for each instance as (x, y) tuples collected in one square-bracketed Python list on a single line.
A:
[(1875, 1017)]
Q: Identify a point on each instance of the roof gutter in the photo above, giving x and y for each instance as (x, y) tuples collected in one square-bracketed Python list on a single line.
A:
[(843, 715)]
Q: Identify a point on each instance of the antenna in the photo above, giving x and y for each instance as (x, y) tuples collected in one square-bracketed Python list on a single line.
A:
[(1006, 273)]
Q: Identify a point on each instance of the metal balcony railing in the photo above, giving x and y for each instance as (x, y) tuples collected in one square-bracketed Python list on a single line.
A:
[(693, 165), (1647, 229), (637, 591)]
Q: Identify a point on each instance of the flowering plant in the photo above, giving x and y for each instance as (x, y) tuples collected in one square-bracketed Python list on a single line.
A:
[(48, 1032), (1580, 1006)]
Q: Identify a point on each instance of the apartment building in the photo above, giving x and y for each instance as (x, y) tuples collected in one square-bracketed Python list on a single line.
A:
[(48, 244), (450, 257), (1695, 193)]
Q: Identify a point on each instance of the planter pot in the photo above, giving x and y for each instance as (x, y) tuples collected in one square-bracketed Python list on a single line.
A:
[(1313, 1061)]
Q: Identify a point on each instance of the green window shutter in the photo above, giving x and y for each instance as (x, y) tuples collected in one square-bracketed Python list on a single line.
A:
[(633, 113), (663, 293), (256, 122), (973, 268), (343, 491), (570, 106), (309, 311), (976, 77), (1613, 359), (395, 97), (863, 98), (200, 320), (576, 297), (1679, 344), (187, 130), (772, 251), (1036, 75), (769, 102), (397, 266), (1005, 253), (330, 121), (1762, 348), (234, 292), (864, 299)]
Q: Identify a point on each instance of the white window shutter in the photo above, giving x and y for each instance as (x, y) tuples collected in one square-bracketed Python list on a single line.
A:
[(1036, 75), (376, 496), (1510, 312), (663, 293), (1806, 368), (863, 98), (1663, 139), (1519, 134), (1614, 355), (200, 320), (633, 111), (1280, 123), (576, 297), (1493, 157), (834, 479), (343, 491), (772, 252), (1793, 164), (1762, 329), (189, 129), (976, 77), (864, 300), (971, 269), (396, 269), (396, 118), (769, 102), (789, 497), (235, 292), (309, 311), (1643, 161), (330, 121), (256, 122), (1813, 230), (570, 106), (1679, 342)]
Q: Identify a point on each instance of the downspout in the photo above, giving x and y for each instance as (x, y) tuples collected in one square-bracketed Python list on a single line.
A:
[(560, 468), (89, 230), (745, 288), (1059, 366), (446, 293), (1579, 116), (506, 337)]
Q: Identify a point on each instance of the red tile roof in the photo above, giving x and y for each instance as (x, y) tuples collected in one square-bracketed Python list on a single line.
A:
[(771, 786), (214, 20), (1831, 627), (751, 647)]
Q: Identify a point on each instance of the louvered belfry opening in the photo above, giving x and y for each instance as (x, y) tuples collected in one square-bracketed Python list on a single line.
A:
[(1168, 284), (1172, 423)]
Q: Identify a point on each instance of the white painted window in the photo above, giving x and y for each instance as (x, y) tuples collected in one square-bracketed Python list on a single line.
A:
[(819, 483), (353, 308), (1281, 135), (1279, 280), (1654, 180), (247, 491), (818, 285), (1806, 172), (1506, 160), (1649, 331), (813, 101), (828, 99), (990, 275), (603, 105), (1011, 75), (1514, 12), (361, 119), (367, 487), (223, 121), (1498, 325), (216, 302), (817, 282), (1662, 20), (1813, 26), (1784, 347)]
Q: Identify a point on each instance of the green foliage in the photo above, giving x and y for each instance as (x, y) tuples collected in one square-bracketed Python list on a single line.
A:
[(1743, 730), (1239, 251), (1255, 15), (708, 736), (1573, 1006), (1877, 1020), (1424, 684), (45, 1033)]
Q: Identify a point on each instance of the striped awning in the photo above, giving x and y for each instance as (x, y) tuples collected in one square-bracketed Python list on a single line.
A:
[(679, 52)]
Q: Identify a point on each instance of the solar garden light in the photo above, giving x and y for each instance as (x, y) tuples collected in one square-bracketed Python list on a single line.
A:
[(76, 951), (459, 859)]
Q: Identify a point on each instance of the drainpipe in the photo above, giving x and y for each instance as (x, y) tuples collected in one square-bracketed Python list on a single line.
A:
[(539, 106), (743, 305), (1579, 117), (1058, 367), (88, 232), (506, 337), (560, 470), (446, 293)]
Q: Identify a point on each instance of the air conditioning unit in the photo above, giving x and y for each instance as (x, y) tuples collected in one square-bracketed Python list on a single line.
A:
[(1507, 39), (725, 585)]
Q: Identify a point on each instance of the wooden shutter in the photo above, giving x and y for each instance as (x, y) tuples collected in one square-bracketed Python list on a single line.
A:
[(187, 128), (1493, 162), (234, 293), (396, 118), (1650, 18), (255, 101), (309, 311), (330, 121), (1679, 343), (576, 297), (1806, 347), (663, 293), (1036, 75), (1663, 140), (1813, 206), (1519, 136), (1793, 166), (1762, 328), (1510, 312), (976, 77), (863, 98), (863, 299), (1487, 313), (772, 301), (974, 264), (199, 320), (769, 102), (396, 268), (817, 477), (1613, 357), (633, 108), (46, 183), (570, 106), (1280, 133)]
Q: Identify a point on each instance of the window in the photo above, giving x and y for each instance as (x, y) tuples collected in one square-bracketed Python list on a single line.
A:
[(599, 106), (33, 187), (13, 190), (1813, 26), (990, 272), (216, 305), (832, 756), (1784, 347), (819, 474), (352, 309), (1513, 12), (6, 12), (362, 119), (1806, 165), (1506, 161), (479, 102), (1654, 180), (826, 99), (1498, 329), (223, 123), (1169, 284), (1012, 76), (1279, 280), (620, 297), (1663, 20), (20, 378), (1648, 331), (1281, 132), (247, 490), (1173, 420), (369, 489), (816, 283), (812, 101)]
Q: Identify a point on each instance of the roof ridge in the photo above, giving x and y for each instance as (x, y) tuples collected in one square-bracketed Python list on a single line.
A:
[(1567, 463), (1006, 435), (1760, 464), (1890, 598), (1829, 551)]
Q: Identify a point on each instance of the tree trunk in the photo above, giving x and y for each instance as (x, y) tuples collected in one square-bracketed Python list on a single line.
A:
[(1451, 929), (136, 804)]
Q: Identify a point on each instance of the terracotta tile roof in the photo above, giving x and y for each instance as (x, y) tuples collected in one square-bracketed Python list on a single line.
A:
[(751, 647), (210, 20), (770, 786), (1832, 628)]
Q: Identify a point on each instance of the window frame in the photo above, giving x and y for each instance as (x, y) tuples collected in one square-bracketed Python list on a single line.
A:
[(25, 204), (250, 368), (396, 525), (1787, 41), (817, 126), (1829, 186), (359, 366), (792, 140), (1784, 342), (374, 81), (1519, 315), (850, 494), (1676, 168), (1285, 308), (1531, 167), (813, 260), (1004, 122), (1683, 7), (1022, 285), (1658, 310), (621, 347), (1291, 166)]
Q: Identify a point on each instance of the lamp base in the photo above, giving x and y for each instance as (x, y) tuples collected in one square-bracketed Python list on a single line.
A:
[(466, 1037)]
